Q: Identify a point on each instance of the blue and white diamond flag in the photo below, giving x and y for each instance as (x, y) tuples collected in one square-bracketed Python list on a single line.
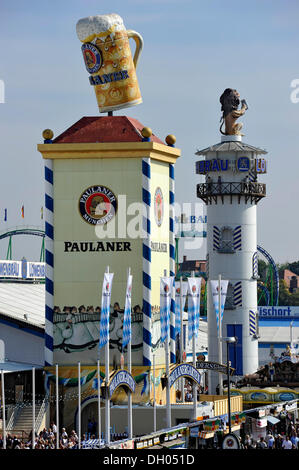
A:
[(105, 311), (215, 296), (127, 313), (194, 284), (178, 295), (166, 286)]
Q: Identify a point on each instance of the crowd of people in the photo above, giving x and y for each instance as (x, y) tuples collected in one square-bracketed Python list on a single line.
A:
[(273, 441), (46, 439), (90, 309)]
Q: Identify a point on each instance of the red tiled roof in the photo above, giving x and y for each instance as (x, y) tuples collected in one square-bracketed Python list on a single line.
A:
[(104, 129)]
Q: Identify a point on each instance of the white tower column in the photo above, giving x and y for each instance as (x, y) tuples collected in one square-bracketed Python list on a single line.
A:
[(231, 192)]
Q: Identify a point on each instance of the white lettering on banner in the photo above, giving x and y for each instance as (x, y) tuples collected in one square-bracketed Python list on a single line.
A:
[(184, 370), (121, 378), (279, 311)]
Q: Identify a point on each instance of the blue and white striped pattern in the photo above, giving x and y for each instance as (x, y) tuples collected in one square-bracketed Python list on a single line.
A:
[(49, 259), (251, 175), (252, 323), (105, 309), (237, 238), (255, 270), (146, 262), (127, 314), (104, 325), (191, 318), (238, 294), (216, 238), (172, 262), (164, 320)]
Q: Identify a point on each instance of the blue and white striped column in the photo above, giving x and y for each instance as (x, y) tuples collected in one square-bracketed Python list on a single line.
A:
[(172, 261), (49, 259), (146, 262)]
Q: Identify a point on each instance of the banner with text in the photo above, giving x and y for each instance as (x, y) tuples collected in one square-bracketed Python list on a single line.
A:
[(105, 310)]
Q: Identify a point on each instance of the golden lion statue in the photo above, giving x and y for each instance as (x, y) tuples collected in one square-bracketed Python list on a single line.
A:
[(230, 100)]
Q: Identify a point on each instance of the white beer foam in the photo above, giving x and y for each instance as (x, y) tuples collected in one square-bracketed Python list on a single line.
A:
[(94, 25)]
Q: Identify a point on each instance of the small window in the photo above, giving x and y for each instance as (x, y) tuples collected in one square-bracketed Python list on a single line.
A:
[(226, 240), (229, 302)]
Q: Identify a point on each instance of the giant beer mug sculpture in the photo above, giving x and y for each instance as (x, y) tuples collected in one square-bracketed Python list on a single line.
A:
[(108, 59)]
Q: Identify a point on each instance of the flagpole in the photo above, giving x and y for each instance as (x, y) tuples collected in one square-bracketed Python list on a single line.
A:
[(130, 410), (181, 335), (220, 334), (107, 399), (57, 409), (155, 408), (194, 391), (79, 405), (3, 410), (167, 364), (99, 401), (33, 408)]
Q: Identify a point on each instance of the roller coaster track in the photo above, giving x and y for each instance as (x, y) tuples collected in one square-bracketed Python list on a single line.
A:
[(23, 230), (275, 276)]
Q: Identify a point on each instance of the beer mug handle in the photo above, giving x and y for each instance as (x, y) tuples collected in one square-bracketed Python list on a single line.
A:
[(139, 44)]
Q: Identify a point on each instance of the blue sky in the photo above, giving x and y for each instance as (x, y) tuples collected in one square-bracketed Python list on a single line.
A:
[(193, 50)]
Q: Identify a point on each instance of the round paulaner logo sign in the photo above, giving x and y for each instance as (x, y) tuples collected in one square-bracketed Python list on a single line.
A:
[(97, 205), (92, 57), (158, 206)]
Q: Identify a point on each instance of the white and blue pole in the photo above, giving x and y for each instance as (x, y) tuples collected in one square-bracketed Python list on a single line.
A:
[(49, 259), (146, 262), (172, 262)]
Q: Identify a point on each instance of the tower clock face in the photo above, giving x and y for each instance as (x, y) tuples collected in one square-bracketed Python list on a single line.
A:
[(158, 206)]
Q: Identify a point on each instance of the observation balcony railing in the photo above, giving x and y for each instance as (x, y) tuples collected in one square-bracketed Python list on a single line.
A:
[(251, 191)]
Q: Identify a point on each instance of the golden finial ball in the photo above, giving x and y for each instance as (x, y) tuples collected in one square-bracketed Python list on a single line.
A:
[(48, 134), (170, 139), (146, 132)]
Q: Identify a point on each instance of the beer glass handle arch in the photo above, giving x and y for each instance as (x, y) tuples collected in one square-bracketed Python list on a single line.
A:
[(139, 44)]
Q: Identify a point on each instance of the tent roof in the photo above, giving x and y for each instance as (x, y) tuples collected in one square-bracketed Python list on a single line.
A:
[(9, 366), (23, 302)]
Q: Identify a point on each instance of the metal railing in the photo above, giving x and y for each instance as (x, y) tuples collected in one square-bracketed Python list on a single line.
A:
[(41, 413), (211, 191), (14, 414)]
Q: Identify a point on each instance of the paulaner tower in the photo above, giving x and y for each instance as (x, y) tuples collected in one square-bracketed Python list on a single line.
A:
[(231, 192)]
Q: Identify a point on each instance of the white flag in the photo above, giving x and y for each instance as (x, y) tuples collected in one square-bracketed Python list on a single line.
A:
[(127, 313), (166, 285), (178, 295), (215, 295), (105, 310), (194, 284)]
